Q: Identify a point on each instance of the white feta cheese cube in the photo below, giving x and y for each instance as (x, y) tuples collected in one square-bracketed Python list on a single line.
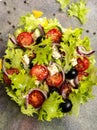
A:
[(74, 61), (53, 69), (55, 52), (25, 61)]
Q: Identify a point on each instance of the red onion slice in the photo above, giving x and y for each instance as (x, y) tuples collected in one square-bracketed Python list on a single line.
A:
[(66, 89), (41, 30), (82, 51), (13, 39), (74, 82), (4, 68), (27, 96), (26, 101), (43, 92)]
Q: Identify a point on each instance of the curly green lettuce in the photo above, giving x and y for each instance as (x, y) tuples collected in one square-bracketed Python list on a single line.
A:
[(29, 23), (14, 55), (85, 91), (63, 3), (29, 111), (50, 108), (21, 85), (79, 10), (43, 52), (71, 39)]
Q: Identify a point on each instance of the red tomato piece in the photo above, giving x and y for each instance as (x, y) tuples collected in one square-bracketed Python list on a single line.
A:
[(10, 71), (36, 98), (40, 71), (24, 39), (82, 64), (81, 74), (55, 35), (55, 80)]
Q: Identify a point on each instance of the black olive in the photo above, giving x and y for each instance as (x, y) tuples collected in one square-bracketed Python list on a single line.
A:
[(31, 64), (15, 90), (8, 60), (66, 106), (72, 74), (52, 89), (38, 40)]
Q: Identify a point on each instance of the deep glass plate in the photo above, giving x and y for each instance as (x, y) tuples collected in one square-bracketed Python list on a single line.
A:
[(10, 116)]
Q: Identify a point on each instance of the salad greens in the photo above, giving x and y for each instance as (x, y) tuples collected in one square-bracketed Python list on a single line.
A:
[(29, 22), (43, 54), (77, 9), (64, 3), (50, 108), (22, 83)]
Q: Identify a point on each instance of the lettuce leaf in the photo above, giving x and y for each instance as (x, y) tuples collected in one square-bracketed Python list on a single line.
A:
[(15, 56), (22, 82), (63, 3), (50, 108), (75, 98), (71, 39), (85, 89), (43, 52), (21, 85), (18, 98), (81, 96), (29, 23), (79, 10), (29, 111)]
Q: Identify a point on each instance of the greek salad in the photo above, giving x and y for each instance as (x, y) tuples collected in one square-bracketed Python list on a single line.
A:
[(48, 70)]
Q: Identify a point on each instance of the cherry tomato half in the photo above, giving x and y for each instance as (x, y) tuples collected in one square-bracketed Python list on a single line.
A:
[(54, 80), (81, 74), (10, 71), (82, 64), (40, 71), (36, 98), (55, 35), (24, 39)]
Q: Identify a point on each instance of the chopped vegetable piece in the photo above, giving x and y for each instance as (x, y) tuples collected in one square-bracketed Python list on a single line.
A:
[(55, 35), (24, 39), (41, 72), (36, 98), (37, 13), (79, 10), (50, 108), (63, 3), (0, 64)]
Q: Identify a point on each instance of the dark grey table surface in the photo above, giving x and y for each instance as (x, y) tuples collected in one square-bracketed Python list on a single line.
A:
[(10, 115)]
